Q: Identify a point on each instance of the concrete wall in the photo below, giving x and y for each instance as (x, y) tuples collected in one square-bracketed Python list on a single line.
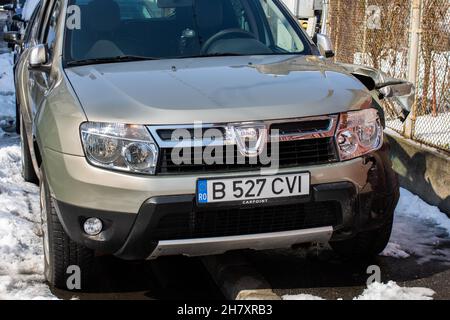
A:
[(422, 170)]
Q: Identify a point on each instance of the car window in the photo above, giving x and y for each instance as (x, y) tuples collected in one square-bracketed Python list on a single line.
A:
[(32, 23), (181, 28), (281, 29), (49, 36), (42, 17)]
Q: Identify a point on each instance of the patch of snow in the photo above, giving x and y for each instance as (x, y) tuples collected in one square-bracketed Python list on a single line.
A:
[(379, 291), (302, 297), (28, 287), (21, 253), (395, 250), (7, 97), (6, 75), (420, 230), (412, 206), (392, 291)]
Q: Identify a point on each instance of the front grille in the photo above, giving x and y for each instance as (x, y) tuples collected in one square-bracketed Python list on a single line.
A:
[(233, 222), (311, 126), (168, 134), (291, 154)]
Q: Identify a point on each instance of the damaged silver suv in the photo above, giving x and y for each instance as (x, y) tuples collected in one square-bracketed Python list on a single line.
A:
[(196, 127)]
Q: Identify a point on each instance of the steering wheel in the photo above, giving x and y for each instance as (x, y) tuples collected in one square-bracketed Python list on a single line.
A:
[(225, 33)]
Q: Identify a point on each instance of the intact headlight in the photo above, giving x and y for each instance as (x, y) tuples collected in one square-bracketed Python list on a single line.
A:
[(359, 133), (120, 147)]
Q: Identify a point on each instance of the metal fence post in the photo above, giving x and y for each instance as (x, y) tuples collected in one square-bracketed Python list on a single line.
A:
[(413, 64), (325, 21)]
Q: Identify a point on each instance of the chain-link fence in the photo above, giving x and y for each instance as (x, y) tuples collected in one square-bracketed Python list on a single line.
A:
[(379, 33)]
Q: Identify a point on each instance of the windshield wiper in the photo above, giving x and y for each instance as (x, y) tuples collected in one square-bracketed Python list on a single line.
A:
[(217, 54), (122, 58)]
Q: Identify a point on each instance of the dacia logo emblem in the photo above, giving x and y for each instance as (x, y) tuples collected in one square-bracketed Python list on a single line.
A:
[(250, 138)]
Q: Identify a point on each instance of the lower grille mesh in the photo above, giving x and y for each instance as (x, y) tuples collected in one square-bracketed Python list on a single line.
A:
[(234, 222)]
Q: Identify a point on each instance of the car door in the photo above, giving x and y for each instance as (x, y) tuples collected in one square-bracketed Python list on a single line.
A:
[(39, 81), (22, 73)]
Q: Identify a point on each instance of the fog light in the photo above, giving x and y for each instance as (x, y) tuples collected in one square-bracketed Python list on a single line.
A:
[(93, 226)]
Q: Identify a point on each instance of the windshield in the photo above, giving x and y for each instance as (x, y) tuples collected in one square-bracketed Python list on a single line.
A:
[(161, 29)]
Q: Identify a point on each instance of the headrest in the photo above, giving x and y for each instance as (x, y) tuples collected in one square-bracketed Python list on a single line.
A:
[(209, 13), (102, 15)]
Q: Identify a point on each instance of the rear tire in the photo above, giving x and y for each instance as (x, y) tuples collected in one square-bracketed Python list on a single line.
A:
[(28, 172), (365, 245), (60, 252)]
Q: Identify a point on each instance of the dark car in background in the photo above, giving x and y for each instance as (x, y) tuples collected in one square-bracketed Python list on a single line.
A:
[(14, 20)]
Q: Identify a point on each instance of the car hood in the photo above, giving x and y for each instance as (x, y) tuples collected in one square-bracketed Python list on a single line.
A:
[(215, 90)]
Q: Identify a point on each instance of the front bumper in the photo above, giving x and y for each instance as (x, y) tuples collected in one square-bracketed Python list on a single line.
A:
[(351, 197), (74, 181), (173, 225)]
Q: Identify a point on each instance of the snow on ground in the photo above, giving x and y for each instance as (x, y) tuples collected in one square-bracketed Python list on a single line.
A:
[(395, 250), (380, 291), (6, 76), (391, 291), (21, 254), (420, 230), (7, 97)]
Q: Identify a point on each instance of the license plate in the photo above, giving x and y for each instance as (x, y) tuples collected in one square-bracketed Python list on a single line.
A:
[(253, 190)]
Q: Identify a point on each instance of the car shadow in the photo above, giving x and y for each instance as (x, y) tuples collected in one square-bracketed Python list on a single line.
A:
[(309, 271), (171, 278)]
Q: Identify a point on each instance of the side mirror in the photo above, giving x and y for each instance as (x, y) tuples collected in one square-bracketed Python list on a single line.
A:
[(324, 43), (11, 37), (399, 89), (9, 7), (402, 91), (38, 59)]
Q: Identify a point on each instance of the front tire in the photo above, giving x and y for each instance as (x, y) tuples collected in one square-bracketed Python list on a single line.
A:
[(365, 245), (60, 252)]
